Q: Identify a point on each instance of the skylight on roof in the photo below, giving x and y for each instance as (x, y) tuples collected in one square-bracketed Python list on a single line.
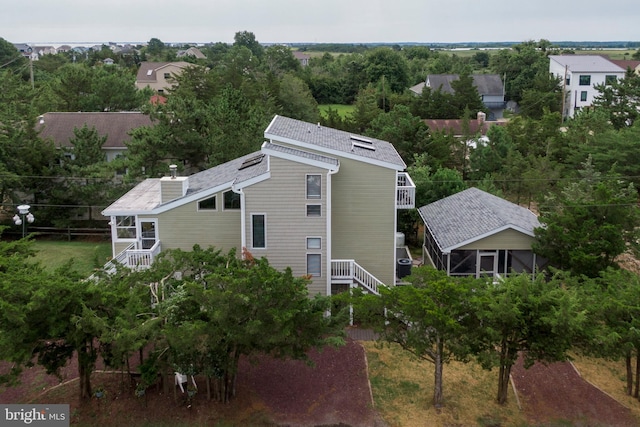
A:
[(251, 161), (365, 146), (149, 72), (361, 139)]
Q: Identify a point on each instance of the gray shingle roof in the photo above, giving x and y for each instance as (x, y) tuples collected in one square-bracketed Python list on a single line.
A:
[(300, 153), (586, 63), (145, 196), (115, 125), (333, 141), (473, 214)]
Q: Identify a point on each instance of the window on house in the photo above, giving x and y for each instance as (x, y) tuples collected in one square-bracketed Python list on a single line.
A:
[(568, 81), (314, 186), (231, 200), (314, 243), (583, 96), (585, 80), (126, 227), (167, 76), (314, 210), (259, 231), (609, 80), (207, 204), (314, 265)]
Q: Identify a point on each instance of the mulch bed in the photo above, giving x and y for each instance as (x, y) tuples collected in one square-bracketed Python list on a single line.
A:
[(556, 392), (334, 391)]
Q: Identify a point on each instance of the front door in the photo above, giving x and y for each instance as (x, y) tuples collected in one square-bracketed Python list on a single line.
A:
[(487, 264), (148, 233)]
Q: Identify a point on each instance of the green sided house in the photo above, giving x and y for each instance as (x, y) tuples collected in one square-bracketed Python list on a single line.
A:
[(474, 233), (318, 200)]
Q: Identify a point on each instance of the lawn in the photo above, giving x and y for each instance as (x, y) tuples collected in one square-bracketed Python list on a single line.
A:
[(403, 392), (86, 256), (343, 110)]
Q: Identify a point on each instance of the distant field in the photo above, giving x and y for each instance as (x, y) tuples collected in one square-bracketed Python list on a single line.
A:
[(86, 255), (342, 110), (611, 53)]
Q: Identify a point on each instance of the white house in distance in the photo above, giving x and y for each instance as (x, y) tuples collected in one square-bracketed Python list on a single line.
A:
[(580, 74)]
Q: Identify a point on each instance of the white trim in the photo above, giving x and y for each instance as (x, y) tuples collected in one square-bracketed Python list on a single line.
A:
[(333, 152), (307, 264), (313, 237), (254, 180), (306, 186), (231, 190), (307, 210), (243, 220), (139, 222), (215, 196), (191, 198), (251, 215), (329, 240), (299, 159), (479, 254)]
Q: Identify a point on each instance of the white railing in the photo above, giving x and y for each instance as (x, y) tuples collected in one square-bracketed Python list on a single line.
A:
[(348, 269), (142, 258), (405, 192), (134, 258)]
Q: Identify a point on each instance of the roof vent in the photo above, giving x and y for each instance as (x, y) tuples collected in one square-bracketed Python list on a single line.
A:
[(174, 171)]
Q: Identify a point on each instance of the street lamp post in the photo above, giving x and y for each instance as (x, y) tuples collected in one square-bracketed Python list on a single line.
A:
[(25, 216)]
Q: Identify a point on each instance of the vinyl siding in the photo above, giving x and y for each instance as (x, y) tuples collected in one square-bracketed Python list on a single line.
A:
[(363, 206), (172, 189), (282, 198), (185, 226), (507, 239)]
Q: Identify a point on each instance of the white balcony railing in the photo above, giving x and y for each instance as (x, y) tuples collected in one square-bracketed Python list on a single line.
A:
[(405, 192), (136, 258), (348, 269)]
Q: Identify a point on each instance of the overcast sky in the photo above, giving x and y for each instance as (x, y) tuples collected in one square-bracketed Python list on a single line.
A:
[(342, 21)]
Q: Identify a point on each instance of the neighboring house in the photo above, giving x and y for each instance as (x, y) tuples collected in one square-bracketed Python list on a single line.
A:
[(302, 57), (626, 64), (45, 50), (474, 233), (490, 87), (579, 75), (159, 76), (59, 128), (108, 61), (319, 200), (23, 48), (192, 51), (456, 127)]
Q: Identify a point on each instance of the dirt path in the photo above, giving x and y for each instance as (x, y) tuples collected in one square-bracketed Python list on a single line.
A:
[(557, 392)]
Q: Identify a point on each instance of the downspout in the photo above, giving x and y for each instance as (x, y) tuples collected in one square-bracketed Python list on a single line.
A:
[(114, 235), (329, 240), (243, 222)]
